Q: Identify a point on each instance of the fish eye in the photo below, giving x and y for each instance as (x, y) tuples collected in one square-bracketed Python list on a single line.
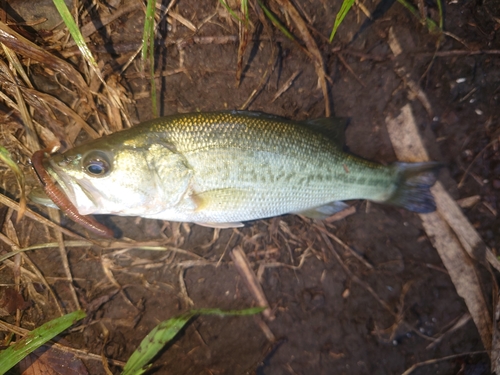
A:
[(96, 164), (97, 167)]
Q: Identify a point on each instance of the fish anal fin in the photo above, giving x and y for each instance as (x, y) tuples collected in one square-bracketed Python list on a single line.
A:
[(322, 212)]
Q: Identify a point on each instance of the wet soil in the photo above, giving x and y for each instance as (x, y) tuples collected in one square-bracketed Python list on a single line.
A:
[(335, 313)]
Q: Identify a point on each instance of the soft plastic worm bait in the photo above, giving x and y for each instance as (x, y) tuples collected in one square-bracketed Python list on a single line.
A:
[(62, 201)]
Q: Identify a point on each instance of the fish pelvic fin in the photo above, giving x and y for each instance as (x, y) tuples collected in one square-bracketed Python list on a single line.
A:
[(222, 225), (413, 186), (322, 212)]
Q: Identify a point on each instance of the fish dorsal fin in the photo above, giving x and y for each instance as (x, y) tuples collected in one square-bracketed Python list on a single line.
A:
[(331, 127)]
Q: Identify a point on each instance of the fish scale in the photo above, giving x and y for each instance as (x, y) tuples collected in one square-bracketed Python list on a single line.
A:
[(228, 167)]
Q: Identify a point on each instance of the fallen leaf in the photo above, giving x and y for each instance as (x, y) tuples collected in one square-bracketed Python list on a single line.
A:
[(47, 360), (11, 300)]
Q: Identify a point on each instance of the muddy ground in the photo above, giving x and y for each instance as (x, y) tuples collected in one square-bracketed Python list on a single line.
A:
[(327, 303)]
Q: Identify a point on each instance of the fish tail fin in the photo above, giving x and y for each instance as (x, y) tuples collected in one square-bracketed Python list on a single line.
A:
[(413, 186)]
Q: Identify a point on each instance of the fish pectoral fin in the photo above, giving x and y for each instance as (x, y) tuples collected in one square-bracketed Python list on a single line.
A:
[(322, 212), (222, 225), (220, 201)]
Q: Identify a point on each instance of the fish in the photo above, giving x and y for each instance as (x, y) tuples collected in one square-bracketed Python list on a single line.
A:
[(220, 169)]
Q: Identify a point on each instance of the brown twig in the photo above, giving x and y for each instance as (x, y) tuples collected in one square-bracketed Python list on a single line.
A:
[(453, 53), (312, 49), (462, 180), (54, 215), (286, 86), (459, 323), (348, 67), (437, 360), (368, 288), (243, 266), (263, 80), (37, 217), (341, 215), (320, 226)]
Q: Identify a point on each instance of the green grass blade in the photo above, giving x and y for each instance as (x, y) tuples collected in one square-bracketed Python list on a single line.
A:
[(33, 340), (431, 25), (344, 9), (230, 11), (75, 32), (244, 9), (149, 29), (441, 15), (276, 22), (152, 77), (154, 342), (148, 53), (166, 331)]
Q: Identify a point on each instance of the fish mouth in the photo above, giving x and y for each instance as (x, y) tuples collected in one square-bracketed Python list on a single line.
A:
[(72, 187), (38, 195), (58, 197), (62, 182)]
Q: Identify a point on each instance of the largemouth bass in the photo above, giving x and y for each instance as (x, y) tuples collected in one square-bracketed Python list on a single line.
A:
[(220, 169)]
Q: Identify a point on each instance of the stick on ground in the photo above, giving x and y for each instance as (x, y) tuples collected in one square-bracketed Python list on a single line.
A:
[(243, 266), (447, 237)]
